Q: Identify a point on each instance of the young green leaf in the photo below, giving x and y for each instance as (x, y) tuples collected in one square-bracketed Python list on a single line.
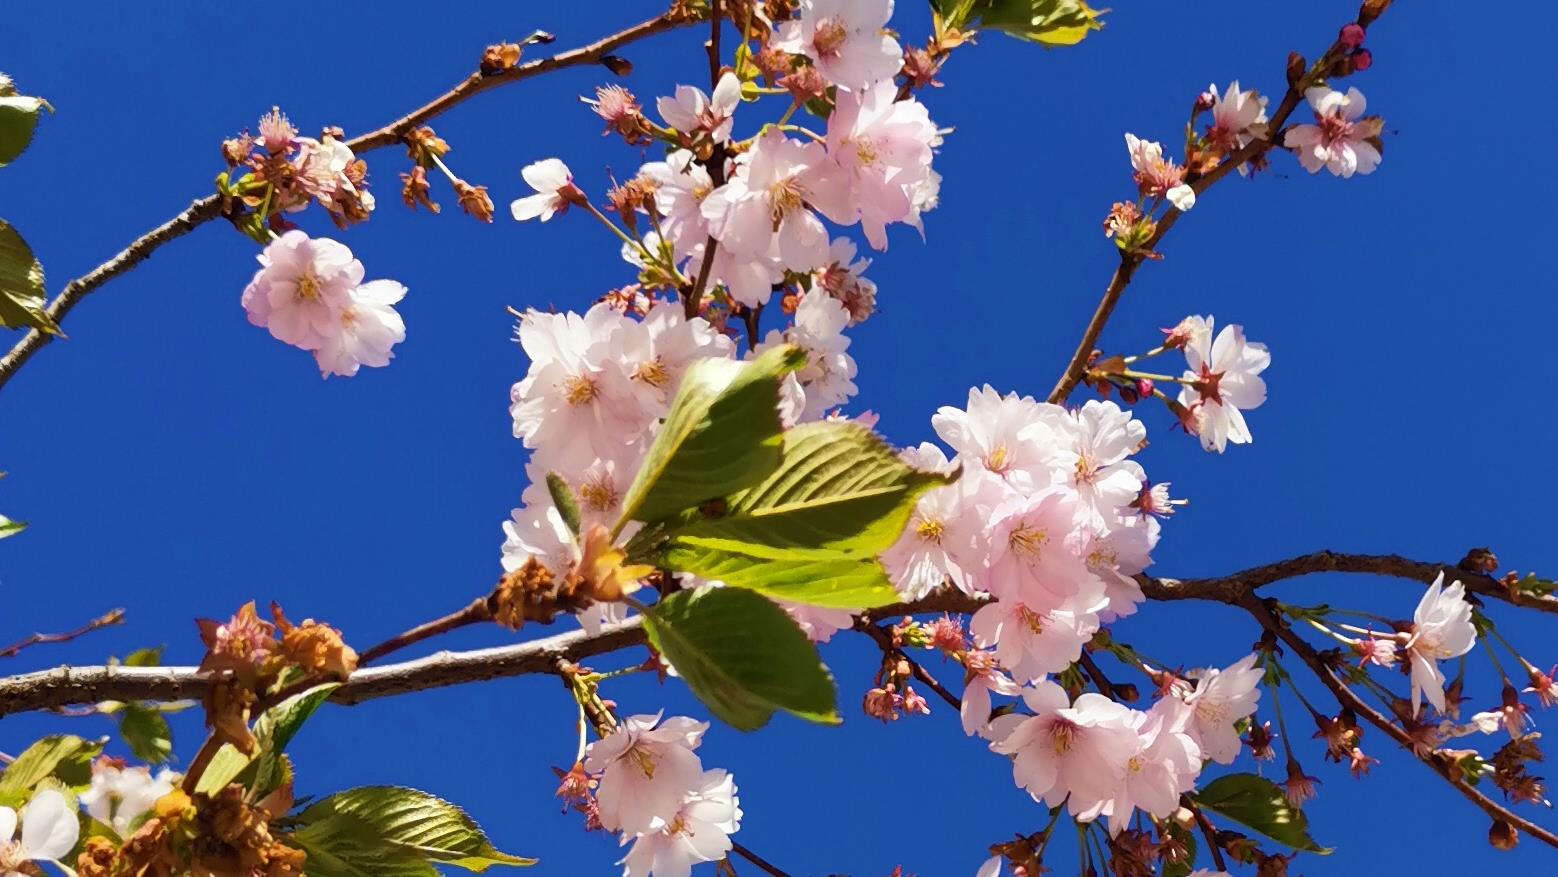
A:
[(742, 656), (18, 119), (403, 821), (816, 578), (9, 527), (837, 487), (722, 434), (22, 294), (64, 757), (146, 732), (1259, 803), (1046, 22), (262, 771), (562, 497)]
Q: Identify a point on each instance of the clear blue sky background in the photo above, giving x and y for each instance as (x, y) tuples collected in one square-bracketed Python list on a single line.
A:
[(176, 461)]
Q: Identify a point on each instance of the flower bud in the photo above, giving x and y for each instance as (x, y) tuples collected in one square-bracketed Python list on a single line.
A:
[(1351, 35), (1502, 835), (1296, 66), (1370, 10), (1144, 387), (1362, 60), (618, 65)]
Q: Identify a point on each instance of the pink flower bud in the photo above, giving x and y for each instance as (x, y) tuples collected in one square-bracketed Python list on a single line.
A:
[(1144, 387), (1351, 35), (1362, 59)]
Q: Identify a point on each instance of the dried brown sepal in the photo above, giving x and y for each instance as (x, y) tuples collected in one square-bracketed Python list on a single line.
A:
[(227, 703), (473, 200), (97, 858), (423, 145), (617, 64), (241, 646), (1480, 560), (500, 57), (532, 593), (315, 647), (415, 189), (232, 837)]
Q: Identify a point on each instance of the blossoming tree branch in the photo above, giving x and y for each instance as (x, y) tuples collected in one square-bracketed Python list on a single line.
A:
[(696, 485)]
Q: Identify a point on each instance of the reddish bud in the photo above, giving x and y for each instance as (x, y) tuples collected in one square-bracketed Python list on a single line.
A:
[(1144, 387), (1351, 35), (1503, 835), (1295, 70), (1362, 60)]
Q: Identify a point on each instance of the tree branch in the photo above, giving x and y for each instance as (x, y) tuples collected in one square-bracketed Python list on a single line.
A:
[(106, 620), (1345, 696), (210, 207), (1076, 369), (64, 686)]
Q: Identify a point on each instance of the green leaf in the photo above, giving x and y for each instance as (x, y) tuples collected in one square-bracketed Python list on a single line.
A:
[(834, 582), (810, 531), (64, 757), (345, 846), (146, 732), (22, 294), (1258, 803), (742, 656), (9, 527), (837, 488), (263, 771), (18, 119), (398, 820), (144, 658), (562, 497), (1046, 22), (722, 434)]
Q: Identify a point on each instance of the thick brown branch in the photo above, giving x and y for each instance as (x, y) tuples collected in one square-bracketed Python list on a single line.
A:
[(210, 207), (64, 686), (1448, 772)]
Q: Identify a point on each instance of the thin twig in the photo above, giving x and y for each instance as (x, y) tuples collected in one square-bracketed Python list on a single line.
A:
[(1208, 832), (1100, 681), (1076, 368), (884, 640), (1449, 772), (106, 620), (210, 207), (757, 860), (63, 686), (477, 611)]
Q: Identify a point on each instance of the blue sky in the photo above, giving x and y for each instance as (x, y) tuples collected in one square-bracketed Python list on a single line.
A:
[(176, 461)]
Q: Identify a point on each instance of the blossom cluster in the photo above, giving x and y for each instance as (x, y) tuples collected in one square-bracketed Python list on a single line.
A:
[(653, 790), (310, 293), (50, 826)]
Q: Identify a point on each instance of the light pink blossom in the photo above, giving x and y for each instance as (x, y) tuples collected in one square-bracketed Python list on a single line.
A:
[(647, 771), (1223, 381), (369, 327), (1441, 630), (845, 39), (302, 286), (693, 112), (1339, 139), (554, 187)]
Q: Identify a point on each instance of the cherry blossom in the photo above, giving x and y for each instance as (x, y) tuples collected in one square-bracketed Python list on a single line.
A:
[(819, 623), (1158, 177), (827, 378), (1222, 382), (647, 770), (882, 148), (301, 288), (1238, 118), (841, 277), (49, 832), (575, 403), (1064, 749), (1094, 444), (1163, 767), (1441, 629), (1004, 435), (118, 795), (1033, 641), (1036, 557), (699, 832), (945, 538), (369, 327), (693, 112), (764, 204), (1219, 700), (554, 187), (1339, 140), (984, 676), (845, 39)]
